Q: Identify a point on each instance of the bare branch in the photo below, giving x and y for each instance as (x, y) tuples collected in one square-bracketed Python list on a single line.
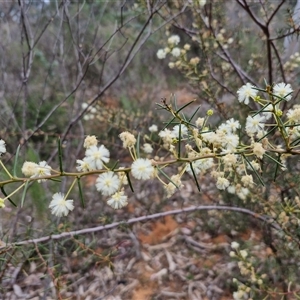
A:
[(269, 221), (266, 31), (275, 12)]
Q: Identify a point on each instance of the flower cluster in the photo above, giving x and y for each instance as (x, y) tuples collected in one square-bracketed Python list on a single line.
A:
[(293, 62), (184, 60), (111, 183), (220, 38), (224, 152), (245, 264), (230, 153), (173, 41), (94, 158), (179, 55), (230, 162), (91, 111), (34, 170)]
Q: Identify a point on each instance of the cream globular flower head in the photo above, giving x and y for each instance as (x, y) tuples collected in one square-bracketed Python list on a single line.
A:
[(283, 90), (247, 180), (199, 122), (244, 253), (180, 128), (254, 165), (232, 254), (122, 177), (176, 52), (202, 2), (183, 51), (242, 193), (170, 188), (34, 170), (167, 136), (187, 47), (258, 150), (84, 105), (229, 160), (108, 183), (293, 132), (200, 165), (96, 156), (29, 168), (90, 141), (293, 114), (128, 139), (178, 64), (147, 148), (142, 169), (153, 128), (174, 40), (118, 200), (230, 142), (60, 206), (232, 125), (2, 147), (222, 183), (171, 65), (254, 124), (194, 61), (167, 50), (83, 165), (245, 92), (235, 245), (161, 54)]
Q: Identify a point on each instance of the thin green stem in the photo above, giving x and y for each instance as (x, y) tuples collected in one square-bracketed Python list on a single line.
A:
[(15, 191), (71, 187), (7, 172)]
